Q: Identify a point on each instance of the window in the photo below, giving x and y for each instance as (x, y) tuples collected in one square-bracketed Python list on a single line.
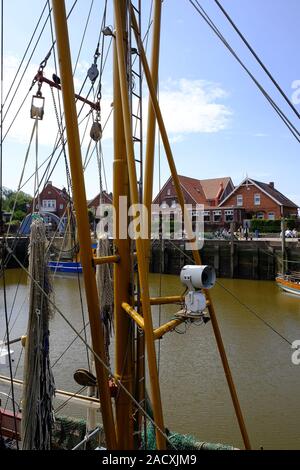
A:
[(174, 204), (239, 200), (217, 216), (257, 199), (271, 216), (168, 192), (229, 215), (61, 206), (260, 215), (164, 205), (206, 216), (49, 204)]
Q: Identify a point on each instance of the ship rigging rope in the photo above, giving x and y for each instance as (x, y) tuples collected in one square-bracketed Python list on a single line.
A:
[(64, 403), (246, 306), (7, 331), (69, 346), (49, 160), (1, 119), (59, 123), (27, 65), (226, 14), (84, 33), (25, 53), (161, 254), (97, 357), (281, 114)]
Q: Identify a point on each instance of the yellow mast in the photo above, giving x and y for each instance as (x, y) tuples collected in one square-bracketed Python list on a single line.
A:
[(122, 323), (148, 189), (80, 204), (196, 254), (141, 258), (149, 158)]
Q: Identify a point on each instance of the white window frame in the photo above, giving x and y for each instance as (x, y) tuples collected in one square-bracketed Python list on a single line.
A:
[(206, 214), (218, 213), (260, 215), (257, 199), (239, 200), (272, 215), (229, 212), (49, 203)]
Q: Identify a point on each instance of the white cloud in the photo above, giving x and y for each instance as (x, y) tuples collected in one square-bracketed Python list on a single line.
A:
[(260, 134), (188, 106), (191, 107)]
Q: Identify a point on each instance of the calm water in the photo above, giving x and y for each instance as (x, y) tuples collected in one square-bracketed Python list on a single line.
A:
[(194, 391)]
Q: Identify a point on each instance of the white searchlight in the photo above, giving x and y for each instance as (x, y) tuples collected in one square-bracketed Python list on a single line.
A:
[(196, 278)]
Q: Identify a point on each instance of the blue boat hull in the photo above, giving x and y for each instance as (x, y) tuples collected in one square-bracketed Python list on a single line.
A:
[(65, 266)]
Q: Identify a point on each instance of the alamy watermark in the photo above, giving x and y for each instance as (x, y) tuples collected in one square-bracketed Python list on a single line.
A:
[(296, 93), (168, 223), (296, 353)]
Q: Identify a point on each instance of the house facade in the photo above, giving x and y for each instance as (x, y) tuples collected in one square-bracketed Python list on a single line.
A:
[(53, 201), (209, 193), (223, 203), (258, 200), (94, 204)]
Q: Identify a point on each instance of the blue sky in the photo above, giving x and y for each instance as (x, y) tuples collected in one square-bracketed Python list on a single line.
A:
[(219, 123)]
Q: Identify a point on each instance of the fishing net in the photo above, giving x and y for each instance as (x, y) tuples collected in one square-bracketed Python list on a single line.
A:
[(39, 388), (105, 290), (181, 442), (68, 432)]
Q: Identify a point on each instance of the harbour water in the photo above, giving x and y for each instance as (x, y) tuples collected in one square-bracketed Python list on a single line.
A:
[(194, 391)]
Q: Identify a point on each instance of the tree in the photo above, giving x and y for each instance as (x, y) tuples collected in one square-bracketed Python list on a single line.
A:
[(15, 201)]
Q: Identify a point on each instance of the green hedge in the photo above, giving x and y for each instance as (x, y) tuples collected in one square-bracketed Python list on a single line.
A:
[(265, 226), (271, 226)]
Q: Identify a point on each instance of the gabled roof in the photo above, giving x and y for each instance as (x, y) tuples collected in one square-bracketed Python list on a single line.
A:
[(273, 193), (277, 195), (95, 202), (201, 191), (211, 187), (193, 187), (60, 192)]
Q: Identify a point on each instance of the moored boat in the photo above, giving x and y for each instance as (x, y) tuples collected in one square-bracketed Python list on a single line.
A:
[(289, 282)]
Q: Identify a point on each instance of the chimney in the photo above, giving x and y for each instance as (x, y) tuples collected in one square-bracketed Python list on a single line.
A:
[(271, 184)]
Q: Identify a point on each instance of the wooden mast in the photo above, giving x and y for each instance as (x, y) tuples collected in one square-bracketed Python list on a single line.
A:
[(80, 204)]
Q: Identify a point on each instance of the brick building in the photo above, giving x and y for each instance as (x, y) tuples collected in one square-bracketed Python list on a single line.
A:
[(223, 203), (254, 199), (53, 201), (93, 204), (208, 192)]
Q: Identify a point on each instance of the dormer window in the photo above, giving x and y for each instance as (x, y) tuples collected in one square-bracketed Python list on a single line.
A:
[(168, 192)]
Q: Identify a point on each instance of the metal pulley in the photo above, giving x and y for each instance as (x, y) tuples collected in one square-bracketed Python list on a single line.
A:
[(96, 131), (93, 72), (37, 107)]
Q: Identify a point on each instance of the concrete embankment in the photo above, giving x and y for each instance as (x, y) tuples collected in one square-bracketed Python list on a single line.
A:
[(260, 259), (256, 259)]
